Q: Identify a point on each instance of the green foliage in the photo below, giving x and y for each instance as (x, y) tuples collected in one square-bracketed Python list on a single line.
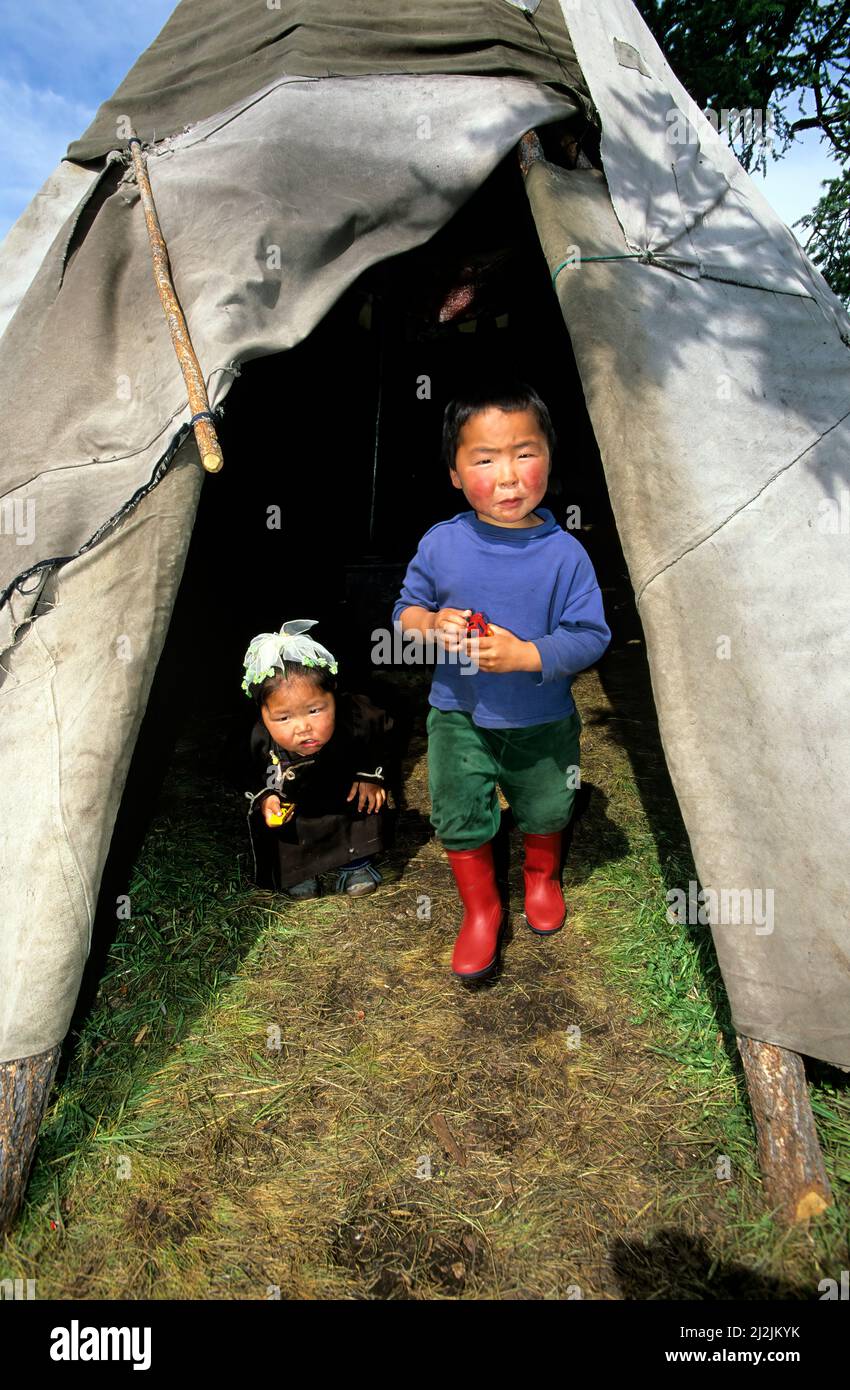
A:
[(818, 68), (730, 54), (829, 234)]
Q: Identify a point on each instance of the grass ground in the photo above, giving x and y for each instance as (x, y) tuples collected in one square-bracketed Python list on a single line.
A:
[(268, 1096)]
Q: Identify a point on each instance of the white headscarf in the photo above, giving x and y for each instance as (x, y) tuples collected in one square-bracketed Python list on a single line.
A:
[(270, 650)]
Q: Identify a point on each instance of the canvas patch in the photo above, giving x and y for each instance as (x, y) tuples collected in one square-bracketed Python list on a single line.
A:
[(628, 57)]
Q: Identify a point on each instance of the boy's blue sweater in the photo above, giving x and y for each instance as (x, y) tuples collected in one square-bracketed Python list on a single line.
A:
[(537, 582)]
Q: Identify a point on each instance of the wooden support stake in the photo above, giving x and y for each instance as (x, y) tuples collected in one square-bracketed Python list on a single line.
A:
[(24, 1092), (205, 434), (791, 1162)]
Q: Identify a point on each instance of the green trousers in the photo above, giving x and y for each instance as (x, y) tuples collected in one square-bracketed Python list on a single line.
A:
[(536, 768)]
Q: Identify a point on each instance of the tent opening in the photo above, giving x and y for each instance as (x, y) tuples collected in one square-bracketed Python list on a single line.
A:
[(333, 469), (332, 473)]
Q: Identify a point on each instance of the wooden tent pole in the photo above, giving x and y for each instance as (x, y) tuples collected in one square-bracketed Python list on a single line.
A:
[(25, 1087), (795, 1180), (205, 434), (791, 1162)]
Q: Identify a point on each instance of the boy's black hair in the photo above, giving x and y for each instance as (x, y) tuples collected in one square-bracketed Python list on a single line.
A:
[(508, 394), (320, 676)]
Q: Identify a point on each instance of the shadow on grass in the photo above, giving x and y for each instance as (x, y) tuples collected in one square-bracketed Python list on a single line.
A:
[(674, 1265)]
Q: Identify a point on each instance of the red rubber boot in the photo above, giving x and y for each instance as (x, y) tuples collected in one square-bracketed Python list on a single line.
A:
[(545, 909), (478, 939)]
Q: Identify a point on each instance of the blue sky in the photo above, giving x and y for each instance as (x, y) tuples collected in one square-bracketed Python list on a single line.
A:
[(61, 58)]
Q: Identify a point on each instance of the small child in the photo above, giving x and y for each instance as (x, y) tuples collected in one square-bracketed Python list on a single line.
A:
[(504, 715), (320, 755)]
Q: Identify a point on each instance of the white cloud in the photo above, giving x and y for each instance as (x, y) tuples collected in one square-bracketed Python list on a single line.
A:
[(35, 129)]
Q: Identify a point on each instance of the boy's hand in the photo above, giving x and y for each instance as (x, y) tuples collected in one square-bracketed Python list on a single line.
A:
[(503, 651), (369, 795), (450, 627), (270, 807)]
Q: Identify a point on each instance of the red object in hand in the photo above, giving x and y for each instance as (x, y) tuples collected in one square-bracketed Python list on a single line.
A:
[(478, 624)]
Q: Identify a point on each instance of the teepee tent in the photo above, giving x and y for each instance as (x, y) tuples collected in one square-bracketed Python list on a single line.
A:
[(290, 148)]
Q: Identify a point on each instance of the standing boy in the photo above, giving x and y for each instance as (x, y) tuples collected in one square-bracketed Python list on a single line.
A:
[(512, 722)]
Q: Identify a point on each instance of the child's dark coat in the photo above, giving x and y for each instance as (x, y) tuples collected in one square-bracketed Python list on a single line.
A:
[(327, 831)]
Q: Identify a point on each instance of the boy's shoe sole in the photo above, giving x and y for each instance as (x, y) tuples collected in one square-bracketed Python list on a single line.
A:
[(356, 883), (488, 969), (477, 974), (360, 890), (550, 932)]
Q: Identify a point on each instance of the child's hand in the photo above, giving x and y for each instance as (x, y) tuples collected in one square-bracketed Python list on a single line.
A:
[(371, 796), (450, 627), (503, 651), (269, 808)]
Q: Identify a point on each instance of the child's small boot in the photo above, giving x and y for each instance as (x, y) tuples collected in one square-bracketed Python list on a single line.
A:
[(358, 878), (545, 909), (299, 892), (477, 943)]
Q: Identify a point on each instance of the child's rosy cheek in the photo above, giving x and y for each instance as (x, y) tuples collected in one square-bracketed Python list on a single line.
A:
[(478, 489), (535, 475)]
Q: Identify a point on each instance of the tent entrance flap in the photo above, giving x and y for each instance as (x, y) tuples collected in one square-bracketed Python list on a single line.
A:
[(721, 457)]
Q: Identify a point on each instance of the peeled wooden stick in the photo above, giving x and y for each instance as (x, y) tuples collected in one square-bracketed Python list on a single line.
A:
[(790, 1159), (24, 1092), (207, 439)]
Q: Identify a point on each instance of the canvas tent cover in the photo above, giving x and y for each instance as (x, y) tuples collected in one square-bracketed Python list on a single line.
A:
[(343, 135)]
